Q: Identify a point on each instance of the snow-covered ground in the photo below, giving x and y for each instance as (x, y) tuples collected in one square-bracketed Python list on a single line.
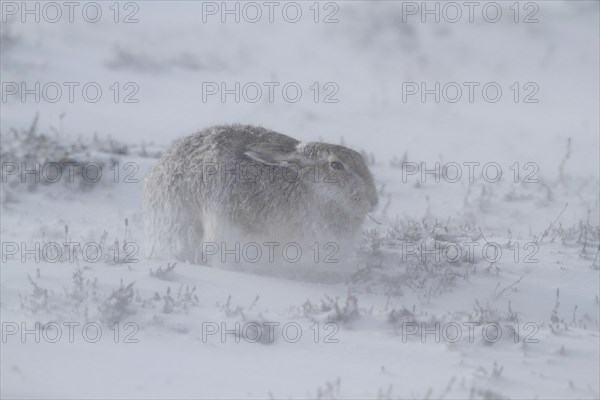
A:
[(387, 321)]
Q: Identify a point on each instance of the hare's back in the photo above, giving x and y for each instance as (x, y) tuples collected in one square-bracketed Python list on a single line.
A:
[(226, 142)]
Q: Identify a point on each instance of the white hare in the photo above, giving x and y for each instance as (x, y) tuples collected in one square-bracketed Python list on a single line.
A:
[(251, 182)]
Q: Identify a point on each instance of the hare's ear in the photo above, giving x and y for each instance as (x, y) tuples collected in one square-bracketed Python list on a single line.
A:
[(273, 154)]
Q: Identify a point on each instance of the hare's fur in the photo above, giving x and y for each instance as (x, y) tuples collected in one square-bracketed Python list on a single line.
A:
[(251, 182)]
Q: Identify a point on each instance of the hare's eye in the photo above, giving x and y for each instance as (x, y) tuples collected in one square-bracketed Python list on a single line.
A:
[(337, 165)]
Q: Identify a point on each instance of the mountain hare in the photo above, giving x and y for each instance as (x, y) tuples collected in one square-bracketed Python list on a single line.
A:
[(247, 182)]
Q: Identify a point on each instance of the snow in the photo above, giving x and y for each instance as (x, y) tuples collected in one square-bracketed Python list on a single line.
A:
[(368, 302)]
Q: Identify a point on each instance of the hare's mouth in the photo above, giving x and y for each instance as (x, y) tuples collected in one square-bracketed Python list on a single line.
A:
[(368, 203), (373, 202)]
